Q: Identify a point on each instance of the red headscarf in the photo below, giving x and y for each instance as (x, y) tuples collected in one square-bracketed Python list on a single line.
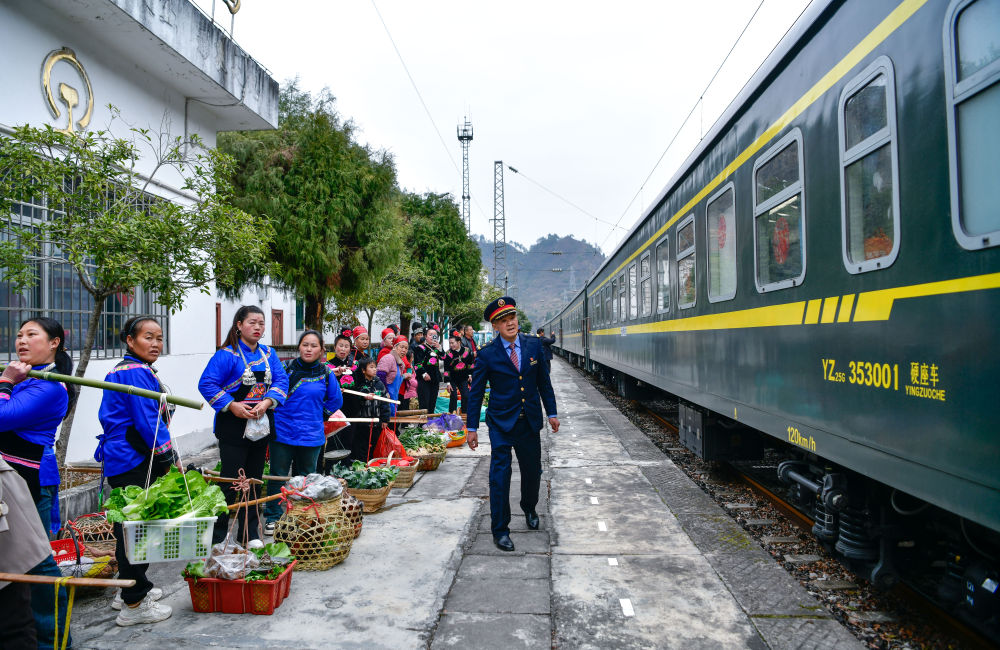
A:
[(358, 331)]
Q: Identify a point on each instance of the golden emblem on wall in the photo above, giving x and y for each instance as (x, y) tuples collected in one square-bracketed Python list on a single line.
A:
[(68, 95)]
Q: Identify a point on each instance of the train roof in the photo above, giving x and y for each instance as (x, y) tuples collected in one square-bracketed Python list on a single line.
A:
[(774, 63)]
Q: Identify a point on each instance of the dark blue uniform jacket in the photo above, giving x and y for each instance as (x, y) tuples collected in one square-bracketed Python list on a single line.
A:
[(511, 390)]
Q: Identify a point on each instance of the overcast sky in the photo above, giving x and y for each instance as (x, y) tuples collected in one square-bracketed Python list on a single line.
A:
[(581, 97)]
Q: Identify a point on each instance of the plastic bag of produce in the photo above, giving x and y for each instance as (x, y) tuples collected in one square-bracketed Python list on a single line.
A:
[(315, 486), (233, 566), (446, 422)]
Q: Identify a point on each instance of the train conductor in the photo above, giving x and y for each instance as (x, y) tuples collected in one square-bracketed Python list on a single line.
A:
[(518, 376)]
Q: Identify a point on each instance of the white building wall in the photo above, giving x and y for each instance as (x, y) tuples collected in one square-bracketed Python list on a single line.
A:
[(153, 88)]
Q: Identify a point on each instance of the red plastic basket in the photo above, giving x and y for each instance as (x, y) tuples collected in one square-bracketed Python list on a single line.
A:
[(66, 549), (240, 596)]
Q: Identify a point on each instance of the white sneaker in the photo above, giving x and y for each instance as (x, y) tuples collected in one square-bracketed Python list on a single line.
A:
[(155, 594), (148, 611), (269, 528), (255, 543)]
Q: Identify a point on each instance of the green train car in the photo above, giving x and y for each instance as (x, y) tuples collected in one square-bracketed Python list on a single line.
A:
[(823, 275)]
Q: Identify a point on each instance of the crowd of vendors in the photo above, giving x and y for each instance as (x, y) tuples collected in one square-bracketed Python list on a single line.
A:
[(265, 410)]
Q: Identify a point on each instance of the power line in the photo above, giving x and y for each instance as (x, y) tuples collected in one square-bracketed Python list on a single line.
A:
[(414, 84), (454, 164), (690, 113), (561, 198)]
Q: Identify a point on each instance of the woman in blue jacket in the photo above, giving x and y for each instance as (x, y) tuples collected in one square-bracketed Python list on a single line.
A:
[(243, 381), (313, 396), (31, 411), (136, 449)]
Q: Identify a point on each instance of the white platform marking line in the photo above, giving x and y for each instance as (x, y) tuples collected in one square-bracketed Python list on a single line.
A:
[(626, 604), (612, 561), (593, 500), (601, 526)]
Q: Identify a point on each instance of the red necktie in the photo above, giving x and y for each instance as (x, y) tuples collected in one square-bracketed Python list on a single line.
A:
[(513, 356)]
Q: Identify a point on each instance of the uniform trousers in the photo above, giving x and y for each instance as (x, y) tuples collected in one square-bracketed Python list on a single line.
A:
[(526, 443)]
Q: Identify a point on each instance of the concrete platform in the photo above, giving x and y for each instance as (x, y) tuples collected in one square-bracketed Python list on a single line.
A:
[(630, 553)]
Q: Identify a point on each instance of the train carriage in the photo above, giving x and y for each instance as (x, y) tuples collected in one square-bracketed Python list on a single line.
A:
[(824, 269)]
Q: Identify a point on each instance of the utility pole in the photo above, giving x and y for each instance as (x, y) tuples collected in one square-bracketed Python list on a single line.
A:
[(499, 230), (465, 138)]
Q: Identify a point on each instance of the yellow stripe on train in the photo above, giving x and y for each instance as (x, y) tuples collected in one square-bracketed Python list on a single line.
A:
[(871, 306)]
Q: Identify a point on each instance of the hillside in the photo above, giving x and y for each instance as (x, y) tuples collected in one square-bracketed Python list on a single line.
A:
[(545, 276)]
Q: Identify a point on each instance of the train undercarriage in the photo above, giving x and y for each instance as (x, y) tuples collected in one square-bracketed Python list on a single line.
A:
[(882, 534)]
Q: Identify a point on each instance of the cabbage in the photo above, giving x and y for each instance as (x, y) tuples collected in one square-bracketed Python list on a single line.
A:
[(166, 498)]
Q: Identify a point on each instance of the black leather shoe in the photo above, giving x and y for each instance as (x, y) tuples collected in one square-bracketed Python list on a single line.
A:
[(531, 518), (503, 543)]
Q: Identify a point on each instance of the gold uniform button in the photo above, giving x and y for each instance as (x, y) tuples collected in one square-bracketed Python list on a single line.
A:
[(522, 389), (520, 377), (522, 399)]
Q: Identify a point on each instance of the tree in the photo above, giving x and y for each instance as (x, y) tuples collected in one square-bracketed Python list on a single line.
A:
[(471, 311), (442, 250), (403, 288), (111, 231), (331, 201), (523, 321)]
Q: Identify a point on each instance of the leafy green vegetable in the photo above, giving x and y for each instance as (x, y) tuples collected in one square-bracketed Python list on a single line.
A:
[(167, 498), (194, 569), (274, 550), (361, 477), (420, 440)]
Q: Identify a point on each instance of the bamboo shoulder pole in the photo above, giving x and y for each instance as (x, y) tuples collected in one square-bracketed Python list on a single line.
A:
[(237, 506), (69, 582), (360, 394), (107, 385)]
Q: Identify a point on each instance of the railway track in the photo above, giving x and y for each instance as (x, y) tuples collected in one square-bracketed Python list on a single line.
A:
[(956, 633)]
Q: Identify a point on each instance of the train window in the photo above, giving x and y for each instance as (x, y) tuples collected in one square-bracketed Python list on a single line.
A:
[(779, 219), (686, 287), (633, 293), (622, 299), (608, 306), (614, 301), (869, 169), (972, 85), (662, 277), (645, 285), (721, 221)]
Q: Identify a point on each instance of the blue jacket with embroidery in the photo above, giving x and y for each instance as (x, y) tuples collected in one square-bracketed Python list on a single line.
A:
[(120, 411), (310, 402), (223, 376), (33, 410)]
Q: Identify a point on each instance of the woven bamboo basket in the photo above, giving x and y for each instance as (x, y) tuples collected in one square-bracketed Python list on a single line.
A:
[(429, 462), (407, 473), (353, 511), (95, 532), (406, 476), (319, 536), (373, 499)]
